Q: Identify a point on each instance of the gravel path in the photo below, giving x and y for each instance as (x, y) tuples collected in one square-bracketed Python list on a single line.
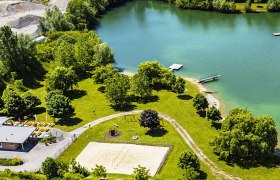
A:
[(37, 157)]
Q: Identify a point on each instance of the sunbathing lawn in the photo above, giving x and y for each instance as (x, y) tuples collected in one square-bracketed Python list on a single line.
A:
[(91, 104)]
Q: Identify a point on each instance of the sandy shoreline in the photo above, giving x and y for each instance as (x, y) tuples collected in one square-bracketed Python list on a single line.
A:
[(213, 101)]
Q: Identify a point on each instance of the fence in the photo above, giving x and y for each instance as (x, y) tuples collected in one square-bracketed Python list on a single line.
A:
[(68, 140)]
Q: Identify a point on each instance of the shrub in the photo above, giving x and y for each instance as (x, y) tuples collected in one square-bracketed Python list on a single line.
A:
[(99, 171), (11, 162), (141, 173), (17, 161)]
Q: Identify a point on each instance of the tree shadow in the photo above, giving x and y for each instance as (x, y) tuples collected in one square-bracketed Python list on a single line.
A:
[(202, 175), (69, 121), (216, 125), (101, 89), (201, 113), (39, 110), (127, 107), (75, 94), (184, 97), (144, 100), (157, 132), (251, 163), (32, 79)]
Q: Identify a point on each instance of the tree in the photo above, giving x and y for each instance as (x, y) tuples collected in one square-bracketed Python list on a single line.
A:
[(76, 168), (245, 138), (50, 168), (168, 79), (80, 53), (190, 174), (84, 61), (99, 171), (188, 159), (55, 21), (273, 5), (248, 6), (179, 86), (50, 94), (103, 55), (213, 114), (14, 104), (153, 70), (65, 54), (116, 89), (101, 73), (16, 53), (200, 102), (149, 118), (61, 78), (141, 85), (6, 92), (81, 14), (59, 106), (31, 101), (141, 173)]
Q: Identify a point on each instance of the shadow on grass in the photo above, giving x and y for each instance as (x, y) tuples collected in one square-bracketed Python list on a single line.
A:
[(184, 97), (249, 163), (39, 110), (158, 132), (144, 100), (69, 121), (76, 94), (32, 78), (202, 175), (216, 125), (201, 113), (128, 107), (101, 89)]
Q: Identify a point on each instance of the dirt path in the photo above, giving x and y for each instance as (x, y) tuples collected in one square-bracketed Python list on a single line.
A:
[(184, 134)]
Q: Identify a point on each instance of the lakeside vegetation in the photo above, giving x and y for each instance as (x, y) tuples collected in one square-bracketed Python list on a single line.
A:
[(229, 6)]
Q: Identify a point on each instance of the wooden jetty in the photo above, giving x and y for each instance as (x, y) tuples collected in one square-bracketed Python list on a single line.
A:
[(175, 67), (209, 79), (276, 34)]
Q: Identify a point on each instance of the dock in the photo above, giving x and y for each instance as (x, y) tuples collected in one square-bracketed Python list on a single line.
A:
[(175, 67), (276, 34), (209, 79)]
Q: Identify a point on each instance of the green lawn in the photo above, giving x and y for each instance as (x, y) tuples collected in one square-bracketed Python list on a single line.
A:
[(258, 7), (92, 104), (164, 137)]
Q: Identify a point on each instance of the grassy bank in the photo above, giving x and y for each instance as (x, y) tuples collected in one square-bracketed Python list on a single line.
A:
[(91, 104)]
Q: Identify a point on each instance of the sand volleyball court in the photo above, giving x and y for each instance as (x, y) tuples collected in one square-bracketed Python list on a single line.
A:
[(122, 158)]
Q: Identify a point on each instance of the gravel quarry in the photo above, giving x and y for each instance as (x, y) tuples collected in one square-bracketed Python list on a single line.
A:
[(23, 16)]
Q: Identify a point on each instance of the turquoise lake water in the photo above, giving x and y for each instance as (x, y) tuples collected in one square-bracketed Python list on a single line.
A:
[(239, 47)]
